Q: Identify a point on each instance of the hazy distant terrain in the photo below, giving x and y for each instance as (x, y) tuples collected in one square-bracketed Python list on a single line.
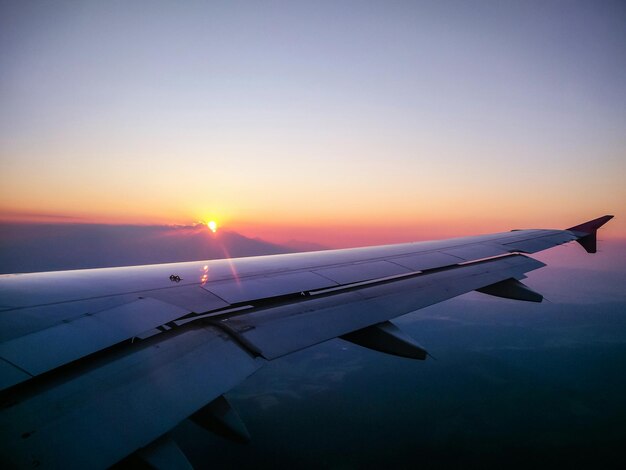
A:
[(50, 247)]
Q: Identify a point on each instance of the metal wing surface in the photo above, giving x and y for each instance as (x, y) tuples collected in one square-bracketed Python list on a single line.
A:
[(97, 364)]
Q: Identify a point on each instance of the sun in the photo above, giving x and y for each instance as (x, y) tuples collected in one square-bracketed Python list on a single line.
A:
[(212, 226)]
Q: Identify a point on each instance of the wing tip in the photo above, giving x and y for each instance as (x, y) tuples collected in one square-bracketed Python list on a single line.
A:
[(586, 232), (591, 226)]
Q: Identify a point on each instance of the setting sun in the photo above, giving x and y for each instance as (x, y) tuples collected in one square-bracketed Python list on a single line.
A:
[(212, 226)]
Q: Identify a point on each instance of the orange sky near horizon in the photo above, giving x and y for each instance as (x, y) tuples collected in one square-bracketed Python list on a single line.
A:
[(338, 234)]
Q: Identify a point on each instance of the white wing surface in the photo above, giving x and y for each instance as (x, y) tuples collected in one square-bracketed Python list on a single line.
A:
[(97, 364)]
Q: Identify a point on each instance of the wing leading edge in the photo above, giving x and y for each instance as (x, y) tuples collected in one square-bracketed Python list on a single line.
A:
[(96, 364)]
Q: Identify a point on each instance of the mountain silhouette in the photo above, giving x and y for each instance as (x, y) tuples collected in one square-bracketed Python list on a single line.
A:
[(51, 247)]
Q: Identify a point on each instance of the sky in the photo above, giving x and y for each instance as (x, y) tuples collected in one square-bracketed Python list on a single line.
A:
[(340, 123), (346, 123)]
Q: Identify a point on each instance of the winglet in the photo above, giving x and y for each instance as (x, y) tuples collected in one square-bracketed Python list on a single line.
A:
[(586, 232)]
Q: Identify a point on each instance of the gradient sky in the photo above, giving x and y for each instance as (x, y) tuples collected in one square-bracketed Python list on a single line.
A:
[(335, 122)]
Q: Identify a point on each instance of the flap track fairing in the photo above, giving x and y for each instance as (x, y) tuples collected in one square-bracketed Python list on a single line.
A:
[(220, 418), (512, 289), (164, 453), (388, 338)]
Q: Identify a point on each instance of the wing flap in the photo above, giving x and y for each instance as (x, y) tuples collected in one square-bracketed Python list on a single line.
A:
[(123, 404), (47, 349), (284, 329)]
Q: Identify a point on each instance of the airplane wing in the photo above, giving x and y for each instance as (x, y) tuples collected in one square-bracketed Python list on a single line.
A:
[(99, 364)]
